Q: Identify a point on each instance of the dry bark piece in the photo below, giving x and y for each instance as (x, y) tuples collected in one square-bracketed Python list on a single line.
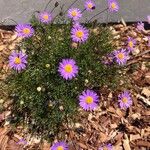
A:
[(147, 77), (82, 145), (123, 22), (12, 145), (119, 137), (2, 47), (96, 31), (146, 113), (135, 137), (145, 100), (126, 144), (3, 137), (113, 126), (118, 146), (136, 115), (136, 51), (119, 112), (143, 143), (103, 137), (4, 142), (45, 146), (111, 109), (2, 117), (146, 91), (74, 45), (14, 37)]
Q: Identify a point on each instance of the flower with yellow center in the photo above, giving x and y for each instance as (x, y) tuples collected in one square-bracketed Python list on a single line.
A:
[(121, 56), (79, 34), (17, 60), (125, 100), (74, 13), (26, 31), (89, 100), (68, 68), (113, 5), (60, 148)]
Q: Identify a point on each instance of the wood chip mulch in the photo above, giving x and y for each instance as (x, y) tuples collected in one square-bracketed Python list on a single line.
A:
[(125, 130)]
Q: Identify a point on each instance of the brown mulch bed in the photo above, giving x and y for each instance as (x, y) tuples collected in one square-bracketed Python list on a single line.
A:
[(126, 130)]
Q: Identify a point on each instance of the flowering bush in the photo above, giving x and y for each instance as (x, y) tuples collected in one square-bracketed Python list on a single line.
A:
[(59, 67)]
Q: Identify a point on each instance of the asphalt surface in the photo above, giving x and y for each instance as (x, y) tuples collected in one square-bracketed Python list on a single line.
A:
[(21, 10)]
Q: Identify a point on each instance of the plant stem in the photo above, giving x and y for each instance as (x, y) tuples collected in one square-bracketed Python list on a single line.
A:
[(47, 4), (97, 14), (71, 5), (83, 10), (53, 9)]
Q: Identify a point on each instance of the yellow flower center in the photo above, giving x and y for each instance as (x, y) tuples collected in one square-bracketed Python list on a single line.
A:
[(124, 99), (26, 30), (90, 6), (120, 55), (79, 34), (45, 17), (17, 60), (89, 100), (68, 68), (130, 44), (113, 5), (60, 148), (74, 13)]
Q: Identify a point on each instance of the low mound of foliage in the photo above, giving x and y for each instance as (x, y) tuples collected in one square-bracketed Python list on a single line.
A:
[(42, 99)]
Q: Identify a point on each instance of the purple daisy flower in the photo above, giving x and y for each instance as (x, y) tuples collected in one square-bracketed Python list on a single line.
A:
[(106, 147), (74, 13), (79, 34), (113, 5), (18, 60), (131, 43), (88, 100), (45, 17), (89, 5), (68, 69), (140, 26), (125, 100), (121, 56), (148, 19), (24, 30), (60, 146)]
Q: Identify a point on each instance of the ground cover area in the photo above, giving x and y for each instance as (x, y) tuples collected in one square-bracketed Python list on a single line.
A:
[(124, 129)]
